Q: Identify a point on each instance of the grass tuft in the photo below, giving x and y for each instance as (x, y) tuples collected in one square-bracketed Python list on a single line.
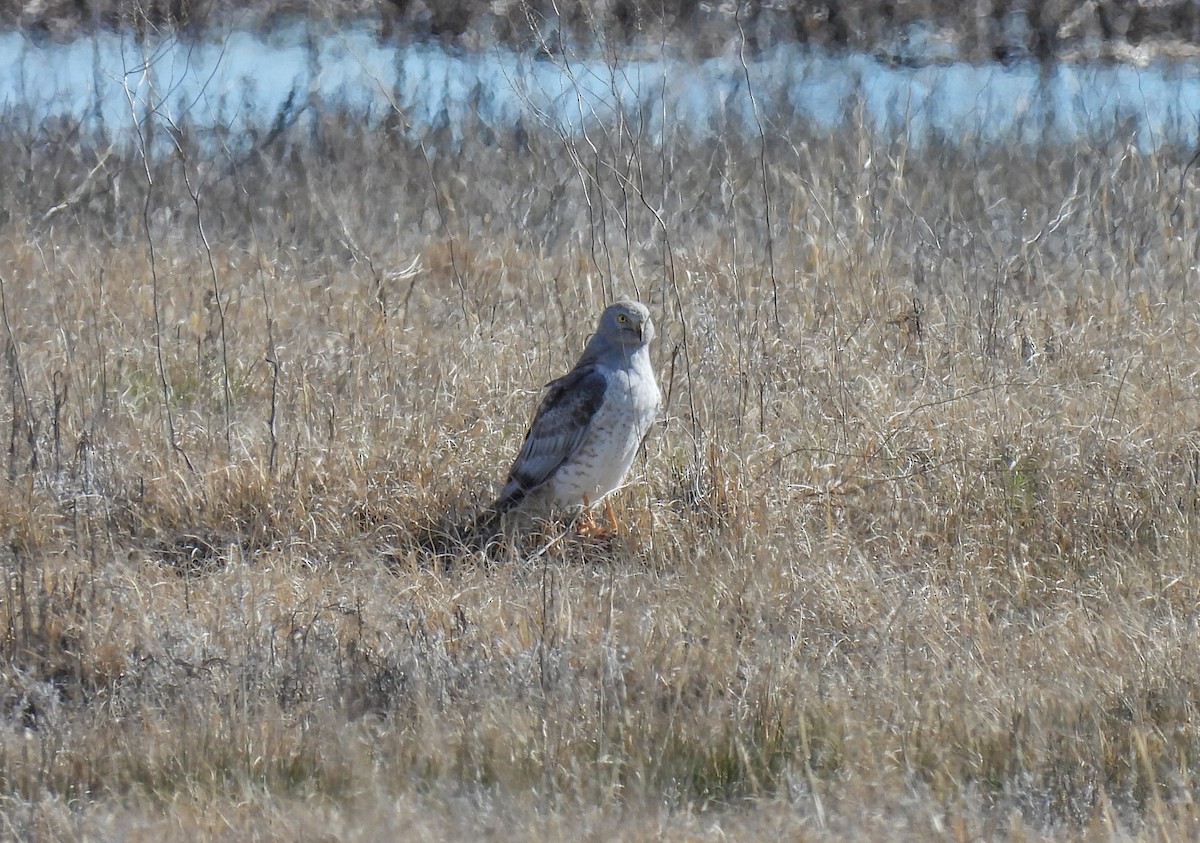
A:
[(910, 556)]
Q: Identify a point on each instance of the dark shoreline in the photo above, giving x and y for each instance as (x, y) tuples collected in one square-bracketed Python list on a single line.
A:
[(932, 30)]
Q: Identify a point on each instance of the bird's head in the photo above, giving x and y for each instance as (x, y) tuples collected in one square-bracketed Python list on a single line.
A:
[(627, 323)]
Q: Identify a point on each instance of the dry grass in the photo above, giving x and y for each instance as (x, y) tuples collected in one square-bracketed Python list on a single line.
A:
[(912, 555)]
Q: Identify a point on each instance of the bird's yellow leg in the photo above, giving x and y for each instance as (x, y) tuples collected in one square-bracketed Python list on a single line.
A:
[(612, 519), (586, 524)]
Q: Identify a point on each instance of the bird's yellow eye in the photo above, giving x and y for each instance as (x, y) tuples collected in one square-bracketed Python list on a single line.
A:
[(622, 318)]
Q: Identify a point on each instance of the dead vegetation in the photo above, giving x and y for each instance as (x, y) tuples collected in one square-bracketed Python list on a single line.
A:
[(909, 31), (911, 556)]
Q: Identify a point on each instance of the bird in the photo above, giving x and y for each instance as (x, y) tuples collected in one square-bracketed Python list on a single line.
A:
[(591, 421)]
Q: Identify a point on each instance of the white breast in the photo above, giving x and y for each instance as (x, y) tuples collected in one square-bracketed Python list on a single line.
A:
[(617, 429)]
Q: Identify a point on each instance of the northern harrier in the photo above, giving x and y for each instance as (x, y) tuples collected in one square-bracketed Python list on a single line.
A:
[(592, 420)]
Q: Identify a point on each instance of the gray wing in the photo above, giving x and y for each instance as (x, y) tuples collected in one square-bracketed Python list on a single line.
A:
[(559, 428)]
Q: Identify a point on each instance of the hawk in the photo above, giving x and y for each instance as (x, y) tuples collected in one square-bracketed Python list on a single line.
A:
[(592, 420)]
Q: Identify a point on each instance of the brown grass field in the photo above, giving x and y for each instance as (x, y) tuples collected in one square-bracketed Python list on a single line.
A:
[(912, 555)]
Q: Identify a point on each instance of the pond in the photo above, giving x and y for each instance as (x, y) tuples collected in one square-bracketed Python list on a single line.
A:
[(244, 83)]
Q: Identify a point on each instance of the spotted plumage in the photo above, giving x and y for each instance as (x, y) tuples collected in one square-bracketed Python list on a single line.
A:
[(592, 420)]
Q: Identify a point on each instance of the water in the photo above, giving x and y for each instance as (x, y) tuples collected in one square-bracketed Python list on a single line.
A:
[(243, 84)]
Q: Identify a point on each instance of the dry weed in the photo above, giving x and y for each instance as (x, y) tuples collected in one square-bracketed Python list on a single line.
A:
[(910, 557)]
